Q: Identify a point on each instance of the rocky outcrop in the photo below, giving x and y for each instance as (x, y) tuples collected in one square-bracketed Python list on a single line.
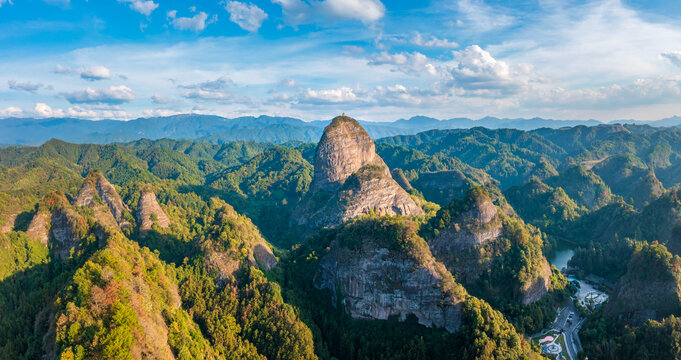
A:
[(39, 228), (96, 191), (7, 223), (350, 180), (377, 281), (149, 212), (401, 179), (57, 221), (345, 147)]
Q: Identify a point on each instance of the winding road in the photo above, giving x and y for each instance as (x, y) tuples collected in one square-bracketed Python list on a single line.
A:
[(569, 330)]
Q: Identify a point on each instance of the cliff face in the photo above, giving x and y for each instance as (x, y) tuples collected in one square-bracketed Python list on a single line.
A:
[(350, 180), (96, 188), (150, 212), (378, 280)]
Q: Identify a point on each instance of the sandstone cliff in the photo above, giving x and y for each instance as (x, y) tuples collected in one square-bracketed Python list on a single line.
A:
[(97, 192), (350, 180), (472, 237), (149, 212), (381, 277)]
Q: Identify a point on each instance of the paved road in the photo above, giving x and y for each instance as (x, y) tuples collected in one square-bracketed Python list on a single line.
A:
[(569, 329)]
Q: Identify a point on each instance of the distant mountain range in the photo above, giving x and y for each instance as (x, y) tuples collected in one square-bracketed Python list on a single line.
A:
[(216, 129)]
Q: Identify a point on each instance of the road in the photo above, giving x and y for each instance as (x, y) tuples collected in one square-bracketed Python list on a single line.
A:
[(570, 330)]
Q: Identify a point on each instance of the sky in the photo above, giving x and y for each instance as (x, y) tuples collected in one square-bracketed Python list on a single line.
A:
[(375, 60)]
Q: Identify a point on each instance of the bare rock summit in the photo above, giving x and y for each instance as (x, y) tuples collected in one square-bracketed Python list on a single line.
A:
[(98, 192), (150, 212), (351, 180)]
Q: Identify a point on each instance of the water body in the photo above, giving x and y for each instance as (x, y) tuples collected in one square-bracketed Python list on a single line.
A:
[(561, 257)]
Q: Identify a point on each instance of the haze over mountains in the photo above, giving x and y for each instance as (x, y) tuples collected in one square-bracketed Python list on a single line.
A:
[(216, 129)]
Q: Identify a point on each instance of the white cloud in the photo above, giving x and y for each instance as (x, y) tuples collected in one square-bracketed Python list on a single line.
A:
[(195, 23), (333, 96), (482, 17), (409, 63), (112, 95), (248, 16), (432, 42), (300, 12), (27, 86), (5, 2), (399, 95), (95, 73), (90, 73), (11, 111), (141, 6), (478, 73), (159, 112), (366, 11), (673, 56), (44, 110)]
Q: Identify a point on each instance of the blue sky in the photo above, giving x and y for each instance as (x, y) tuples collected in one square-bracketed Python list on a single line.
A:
[(312, 59)]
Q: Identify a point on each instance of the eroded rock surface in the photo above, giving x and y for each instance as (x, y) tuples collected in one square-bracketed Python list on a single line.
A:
[(378, 283), (351, 180), (97, 189), (150, 212), (57, 221)]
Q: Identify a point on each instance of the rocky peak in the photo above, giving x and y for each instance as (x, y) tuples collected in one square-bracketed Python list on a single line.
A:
[(95, 188), (350, 180), (345, 147), (150, 212)]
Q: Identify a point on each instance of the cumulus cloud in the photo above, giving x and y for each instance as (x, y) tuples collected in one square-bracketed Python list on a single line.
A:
[(113, 95), (92, 73), (211, 85), (299, 12), (26, 86), (95, 73), (673, 56), (409, 63), (195, 23), (478, 73), (144, 7), (11, 111), (432, 42), (248, 16)]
